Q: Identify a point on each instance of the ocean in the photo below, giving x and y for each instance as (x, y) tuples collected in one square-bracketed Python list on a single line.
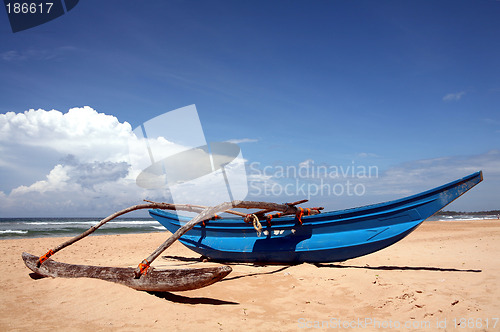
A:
[(465, 216), (16, 228)]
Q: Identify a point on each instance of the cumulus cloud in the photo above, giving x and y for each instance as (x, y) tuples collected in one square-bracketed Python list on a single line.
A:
[(56, 181), (83, 132), (81, 159), (90, 174), (85, 155), (454, 96), (63, 194), (73, 187)]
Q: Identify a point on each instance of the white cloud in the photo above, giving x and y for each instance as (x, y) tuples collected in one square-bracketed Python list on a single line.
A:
[(86, 163), (367, 155), (82, 132), (306, 163), (91, 174), (377, 185), (454, 96), (36, 54), (56, 181), (419, 175), (242, 140), (76, 189)]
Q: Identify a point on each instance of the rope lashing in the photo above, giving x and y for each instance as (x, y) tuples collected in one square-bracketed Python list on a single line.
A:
[(268, 219), (144, 266), (301, 212), (299, 215), (255, 221), (215, 217), (45, 257)]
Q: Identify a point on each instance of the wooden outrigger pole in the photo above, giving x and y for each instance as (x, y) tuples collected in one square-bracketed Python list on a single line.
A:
[(145, 277)]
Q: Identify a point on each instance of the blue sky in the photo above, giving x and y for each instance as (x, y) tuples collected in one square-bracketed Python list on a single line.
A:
[(412, 88)]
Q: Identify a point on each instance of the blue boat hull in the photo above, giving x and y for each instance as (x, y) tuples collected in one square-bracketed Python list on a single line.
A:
[(327, 237)]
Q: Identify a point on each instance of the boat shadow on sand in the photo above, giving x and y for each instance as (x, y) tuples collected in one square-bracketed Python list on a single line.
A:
[(190, 300), (193, 260), (392, 268)]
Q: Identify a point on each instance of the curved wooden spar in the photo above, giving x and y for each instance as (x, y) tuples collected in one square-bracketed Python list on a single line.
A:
[(92, 229)]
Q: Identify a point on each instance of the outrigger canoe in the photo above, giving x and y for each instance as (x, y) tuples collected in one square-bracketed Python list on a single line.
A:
[(321, 238)]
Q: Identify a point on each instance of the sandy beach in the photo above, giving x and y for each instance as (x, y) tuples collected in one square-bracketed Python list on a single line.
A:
[(444, 276)]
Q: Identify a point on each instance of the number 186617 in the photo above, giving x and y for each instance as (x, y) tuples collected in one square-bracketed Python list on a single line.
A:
[(29, 8)]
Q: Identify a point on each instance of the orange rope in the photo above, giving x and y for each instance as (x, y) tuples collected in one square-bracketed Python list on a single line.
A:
[(45, 257), (299, 215), (143, 267), (302, 213), (215, 217), (268, 219)]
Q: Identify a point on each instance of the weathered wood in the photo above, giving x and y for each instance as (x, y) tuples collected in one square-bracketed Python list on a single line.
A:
[(156, 280), (298, 202), (262, 212), (201, 207)]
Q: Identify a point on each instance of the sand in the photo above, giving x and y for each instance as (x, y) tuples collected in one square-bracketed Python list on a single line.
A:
[(444, 274)]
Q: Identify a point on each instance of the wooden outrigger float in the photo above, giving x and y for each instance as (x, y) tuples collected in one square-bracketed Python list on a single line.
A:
[(153, 281)]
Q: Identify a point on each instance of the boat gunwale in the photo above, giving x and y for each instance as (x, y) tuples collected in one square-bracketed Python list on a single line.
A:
[(345, 215)]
